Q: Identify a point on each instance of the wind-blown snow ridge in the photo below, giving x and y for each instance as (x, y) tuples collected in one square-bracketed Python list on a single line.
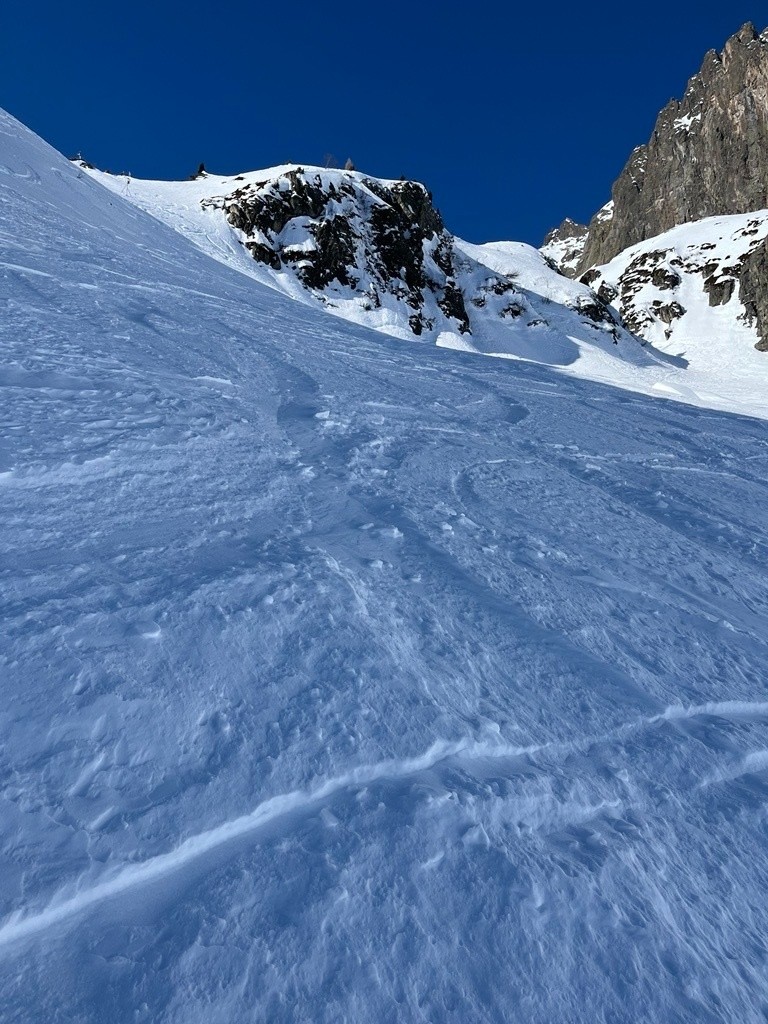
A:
[(196, 847), (21, 926), (720, 709)]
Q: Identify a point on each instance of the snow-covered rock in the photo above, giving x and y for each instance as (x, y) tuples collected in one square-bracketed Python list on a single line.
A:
[(681, 248), (564, 246), (376, 252), (697, 291)]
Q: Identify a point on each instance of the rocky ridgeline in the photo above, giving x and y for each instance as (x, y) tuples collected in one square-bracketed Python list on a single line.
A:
[(378, 252), (707, 157), (708, 154)]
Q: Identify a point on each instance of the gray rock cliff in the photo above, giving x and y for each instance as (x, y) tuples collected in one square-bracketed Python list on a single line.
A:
[(708, 154)]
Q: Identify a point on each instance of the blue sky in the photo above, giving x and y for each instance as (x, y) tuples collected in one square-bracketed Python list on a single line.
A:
[(514, 115)]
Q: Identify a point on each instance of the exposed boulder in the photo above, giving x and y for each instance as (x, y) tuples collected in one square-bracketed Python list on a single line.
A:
[(719, 288)]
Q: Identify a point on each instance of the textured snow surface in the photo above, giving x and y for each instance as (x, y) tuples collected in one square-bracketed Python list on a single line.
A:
[(350, 680)]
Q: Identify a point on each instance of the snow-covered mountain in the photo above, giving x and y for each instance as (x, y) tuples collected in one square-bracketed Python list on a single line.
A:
[(347, 679), (377, 253)]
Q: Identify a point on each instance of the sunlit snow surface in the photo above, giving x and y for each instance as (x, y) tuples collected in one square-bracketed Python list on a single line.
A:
[(349, 679)]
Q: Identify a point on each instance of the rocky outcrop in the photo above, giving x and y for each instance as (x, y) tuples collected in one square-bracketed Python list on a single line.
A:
[(564, 245), (347, 236), (378, 252), (708, 155)]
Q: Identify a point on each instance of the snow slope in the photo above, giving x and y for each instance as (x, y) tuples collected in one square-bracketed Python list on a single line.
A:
[(352, 680), (681, 292)]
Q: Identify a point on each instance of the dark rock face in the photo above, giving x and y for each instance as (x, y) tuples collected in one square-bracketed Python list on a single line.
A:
[(353, 235), (720, 290), (753, 291), (708, 154), (707, 157), (377, 252)]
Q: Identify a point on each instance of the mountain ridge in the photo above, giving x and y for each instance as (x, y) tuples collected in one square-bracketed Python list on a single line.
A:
[(376, 251)]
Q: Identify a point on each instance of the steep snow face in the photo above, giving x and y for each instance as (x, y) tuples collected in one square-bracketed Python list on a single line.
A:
[(687, 291), (351, 680), (377, 253)]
